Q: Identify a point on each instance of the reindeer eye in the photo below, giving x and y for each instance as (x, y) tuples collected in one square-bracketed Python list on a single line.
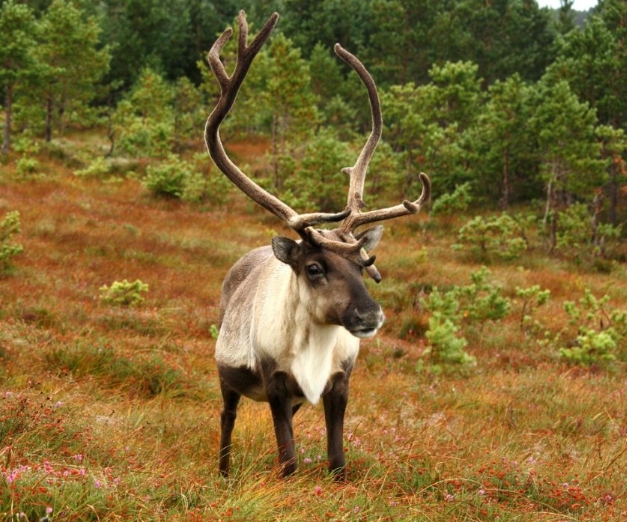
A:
[(314, 270)]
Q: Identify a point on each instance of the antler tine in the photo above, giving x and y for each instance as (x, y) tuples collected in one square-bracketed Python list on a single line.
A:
[(403, 209), (229, 87), (358, 171)]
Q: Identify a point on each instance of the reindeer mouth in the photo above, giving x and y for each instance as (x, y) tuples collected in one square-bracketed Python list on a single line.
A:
[(364, 333)]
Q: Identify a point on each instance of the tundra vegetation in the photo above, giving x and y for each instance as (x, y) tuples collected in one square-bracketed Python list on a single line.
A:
[(495, 389)]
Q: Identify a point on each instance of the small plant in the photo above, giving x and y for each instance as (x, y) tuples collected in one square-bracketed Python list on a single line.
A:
[(99, 168), (532, 298), (9, 227), (26, 166), (214, 331), (123, 293), (477, 302), (600, 332), (482, 300), (581, 235), (168, 178), (447, 346), (591, 347), (501, 237)]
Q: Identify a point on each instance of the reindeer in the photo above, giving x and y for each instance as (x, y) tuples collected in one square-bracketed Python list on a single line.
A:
[(292, 313)]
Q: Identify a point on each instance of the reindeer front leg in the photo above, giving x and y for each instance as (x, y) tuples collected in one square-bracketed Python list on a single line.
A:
[(335, 401), (280, 400), (227, 421)]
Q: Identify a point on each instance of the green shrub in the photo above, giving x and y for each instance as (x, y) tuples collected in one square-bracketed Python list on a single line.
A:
[(579, 234), (501, 237), (9, 227), (532, 298), (26, 166), (596, 333), (184, 180), (123, 293), (452, 310), (168, 178), (446, 345), (591, 347), (99, 168), (455, 202)]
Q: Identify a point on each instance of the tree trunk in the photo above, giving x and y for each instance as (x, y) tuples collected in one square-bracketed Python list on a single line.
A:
[(48, 129), (275, 151), (614, 189), (8, 110), (504, 203)]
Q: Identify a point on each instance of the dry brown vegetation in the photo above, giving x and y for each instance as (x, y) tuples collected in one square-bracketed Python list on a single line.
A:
[(112, 413)]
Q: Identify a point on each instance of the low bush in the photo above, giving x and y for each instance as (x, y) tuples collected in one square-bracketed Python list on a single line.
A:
[(9, 227)]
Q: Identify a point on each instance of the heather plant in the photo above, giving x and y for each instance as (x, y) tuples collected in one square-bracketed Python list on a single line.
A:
[(9, 227), (123, 293)]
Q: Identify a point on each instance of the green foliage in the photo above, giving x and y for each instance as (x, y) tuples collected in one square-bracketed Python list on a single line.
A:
[(123, 293), (189, 116), (446, 346), (169, 178), (589, 59), (99, 168), (455, 202), (580, 235), (453, 310), (72, 64), (596, 333), (214, 331), (532, 298), (320, 182), (143, 123), (500, 237), (499, 146), (26, 166), (181, 179), (9, 227), (477, 302), (591, 348), (18, 63)]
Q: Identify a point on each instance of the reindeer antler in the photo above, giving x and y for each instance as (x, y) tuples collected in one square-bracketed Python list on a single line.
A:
[(352, 217), (358, 172), (229, 87)]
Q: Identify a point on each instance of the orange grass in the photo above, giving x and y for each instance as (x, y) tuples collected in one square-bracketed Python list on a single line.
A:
[(111, 413)]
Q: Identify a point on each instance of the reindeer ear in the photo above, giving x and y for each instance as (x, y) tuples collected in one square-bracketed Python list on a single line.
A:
[(286, 250), (372, 235)]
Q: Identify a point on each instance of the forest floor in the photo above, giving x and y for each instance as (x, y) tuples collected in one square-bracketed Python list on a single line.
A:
[(112, 413)]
